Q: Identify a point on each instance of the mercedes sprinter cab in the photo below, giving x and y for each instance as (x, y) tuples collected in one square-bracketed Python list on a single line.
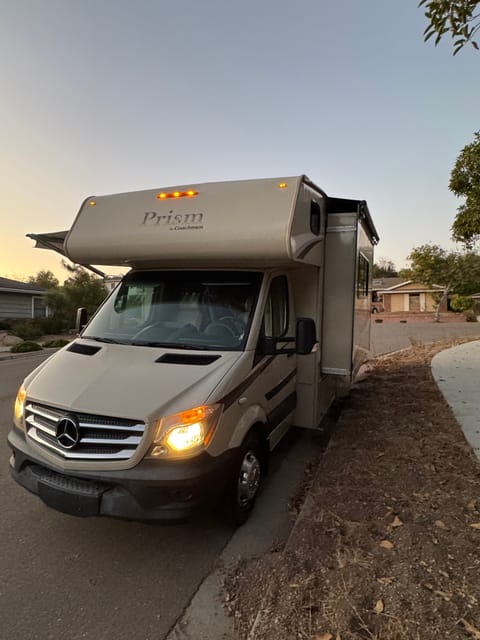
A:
[(246, 308)]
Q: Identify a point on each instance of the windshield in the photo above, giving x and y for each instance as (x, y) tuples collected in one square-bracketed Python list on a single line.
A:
[(179, 309)]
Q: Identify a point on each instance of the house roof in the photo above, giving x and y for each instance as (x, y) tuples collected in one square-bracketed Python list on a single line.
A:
[(408, 286), (15, 286), (386, 283)]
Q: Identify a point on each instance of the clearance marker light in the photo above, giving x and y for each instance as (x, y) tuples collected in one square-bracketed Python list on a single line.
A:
[(92, 203), (177, 194), (282, 185)]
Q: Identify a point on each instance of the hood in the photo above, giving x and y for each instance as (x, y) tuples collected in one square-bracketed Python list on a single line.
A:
[(138, 383)]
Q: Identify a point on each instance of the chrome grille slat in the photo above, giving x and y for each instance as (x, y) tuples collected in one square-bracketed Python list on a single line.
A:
[(72, 455), (112, 427), (40, 411), (100, 437), (38, 425), (133, 440)]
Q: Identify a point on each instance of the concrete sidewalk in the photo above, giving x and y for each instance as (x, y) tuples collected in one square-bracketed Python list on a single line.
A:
[(457, 373)]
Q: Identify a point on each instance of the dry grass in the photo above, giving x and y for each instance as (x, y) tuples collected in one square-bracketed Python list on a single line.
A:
[(384, 548)]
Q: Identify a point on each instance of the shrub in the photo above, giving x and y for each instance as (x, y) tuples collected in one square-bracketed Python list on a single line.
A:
[(23, 347), (470, 316), (5, 325), (460, 303), (26, 329), (54, 343), (56, 324)]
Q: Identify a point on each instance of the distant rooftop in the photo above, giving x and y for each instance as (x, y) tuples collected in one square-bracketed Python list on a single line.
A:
[(386, 283), (15, 286)]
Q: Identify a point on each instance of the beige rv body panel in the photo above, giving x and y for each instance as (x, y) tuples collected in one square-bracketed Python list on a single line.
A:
[(243, 223)]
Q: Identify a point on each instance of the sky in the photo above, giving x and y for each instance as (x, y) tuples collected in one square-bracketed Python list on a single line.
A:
[(107, 96)]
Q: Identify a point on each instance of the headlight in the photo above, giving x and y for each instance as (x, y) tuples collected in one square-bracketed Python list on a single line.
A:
[(185, 434), (19, 408)]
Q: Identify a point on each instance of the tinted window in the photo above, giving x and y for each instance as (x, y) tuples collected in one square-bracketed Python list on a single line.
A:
[(186, 309), (363, 276), (275, 321)]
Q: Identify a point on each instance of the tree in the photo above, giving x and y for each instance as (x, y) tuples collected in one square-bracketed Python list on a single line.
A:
[(384, 268), (465, 181), (45, 280), (458, 273), (459, 17), (81, 289)]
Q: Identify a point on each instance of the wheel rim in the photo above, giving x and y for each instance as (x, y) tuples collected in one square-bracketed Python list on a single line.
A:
[(248, 479)]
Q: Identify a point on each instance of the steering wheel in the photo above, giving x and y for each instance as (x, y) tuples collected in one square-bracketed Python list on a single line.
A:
[(234, 324)]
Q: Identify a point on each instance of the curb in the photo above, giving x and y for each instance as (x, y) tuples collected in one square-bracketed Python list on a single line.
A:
[(304, 513), (205, 617)]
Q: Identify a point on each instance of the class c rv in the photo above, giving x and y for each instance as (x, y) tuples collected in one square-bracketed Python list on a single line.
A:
[(245, 310)]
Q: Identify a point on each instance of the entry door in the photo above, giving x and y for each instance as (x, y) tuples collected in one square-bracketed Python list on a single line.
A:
[(277, 381)]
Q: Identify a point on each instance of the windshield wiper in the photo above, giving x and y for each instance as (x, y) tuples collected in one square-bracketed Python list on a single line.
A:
[(106, 340)]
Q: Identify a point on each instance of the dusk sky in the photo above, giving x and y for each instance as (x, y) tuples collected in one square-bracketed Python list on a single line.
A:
[(105, 96)]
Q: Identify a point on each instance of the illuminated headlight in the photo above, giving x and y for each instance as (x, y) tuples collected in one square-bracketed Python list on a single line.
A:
[(19, 408), (185, 434)]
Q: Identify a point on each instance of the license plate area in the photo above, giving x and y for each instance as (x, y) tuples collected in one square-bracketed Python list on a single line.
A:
[(74, 496)]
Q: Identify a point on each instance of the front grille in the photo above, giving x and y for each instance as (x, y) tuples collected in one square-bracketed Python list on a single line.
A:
[(99, 437)]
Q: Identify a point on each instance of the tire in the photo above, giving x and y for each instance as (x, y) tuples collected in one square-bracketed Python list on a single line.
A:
[(242, 493)]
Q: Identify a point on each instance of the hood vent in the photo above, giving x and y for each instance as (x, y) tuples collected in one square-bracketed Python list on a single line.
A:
[(84, 349), (186, 358)]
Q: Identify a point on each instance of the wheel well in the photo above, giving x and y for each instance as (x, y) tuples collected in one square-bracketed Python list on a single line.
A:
[(259, 429)]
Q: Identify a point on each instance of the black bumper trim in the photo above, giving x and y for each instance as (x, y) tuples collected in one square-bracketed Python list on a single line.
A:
[(153, 490)]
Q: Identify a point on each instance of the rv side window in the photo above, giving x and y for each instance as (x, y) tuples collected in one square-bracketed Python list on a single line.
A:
[(275, 319), (363, 276), (315, 218)]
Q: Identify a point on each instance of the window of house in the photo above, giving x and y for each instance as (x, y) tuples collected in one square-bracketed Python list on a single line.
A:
[(39, 307), (414, 302)]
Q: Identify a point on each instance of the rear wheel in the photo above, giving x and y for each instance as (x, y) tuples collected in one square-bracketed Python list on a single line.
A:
[(246, 481)]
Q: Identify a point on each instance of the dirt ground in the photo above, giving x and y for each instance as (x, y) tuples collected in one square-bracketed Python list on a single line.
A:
[(387, 544)]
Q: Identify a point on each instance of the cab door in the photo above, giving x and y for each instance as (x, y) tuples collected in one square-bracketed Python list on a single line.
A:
[(277, 383)]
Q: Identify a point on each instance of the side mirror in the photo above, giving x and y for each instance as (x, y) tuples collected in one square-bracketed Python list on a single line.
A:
[(269, 347), (306, 336), (81, 320)]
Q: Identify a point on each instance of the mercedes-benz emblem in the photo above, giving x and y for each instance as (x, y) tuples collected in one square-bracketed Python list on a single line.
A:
[(68, 432)]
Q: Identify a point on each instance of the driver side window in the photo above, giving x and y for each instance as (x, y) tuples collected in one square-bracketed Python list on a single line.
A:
[(275, 319)]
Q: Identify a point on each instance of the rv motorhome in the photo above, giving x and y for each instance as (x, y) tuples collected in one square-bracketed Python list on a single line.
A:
[(245, 310)]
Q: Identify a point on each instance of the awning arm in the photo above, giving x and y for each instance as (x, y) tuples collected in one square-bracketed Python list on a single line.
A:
[(54, 241)]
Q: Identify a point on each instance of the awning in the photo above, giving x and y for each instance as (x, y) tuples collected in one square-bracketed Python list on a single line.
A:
[(55, 242)]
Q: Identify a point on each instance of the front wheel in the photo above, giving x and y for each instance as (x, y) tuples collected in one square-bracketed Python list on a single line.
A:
[(243, 491)]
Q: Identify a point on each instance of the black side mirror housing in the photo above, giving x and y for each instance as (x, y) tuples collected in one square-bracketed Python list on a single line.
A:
[(269, 347), (306, 336), (81, 319)]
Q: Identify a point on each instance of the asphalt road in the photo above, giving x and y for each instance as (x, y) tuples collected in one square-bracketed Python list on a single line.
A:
[(392, 336), (103, 579), (65, 577)]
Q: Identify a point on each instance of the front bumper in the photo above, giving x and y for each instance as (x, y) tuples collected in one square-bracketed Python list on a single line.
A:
[(153, 490)]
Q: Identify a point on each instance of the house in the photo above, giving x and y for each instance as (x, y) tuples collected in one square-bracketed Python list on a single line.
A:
[(398, 294), (19, 300), (111, 282), (379, 285)]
